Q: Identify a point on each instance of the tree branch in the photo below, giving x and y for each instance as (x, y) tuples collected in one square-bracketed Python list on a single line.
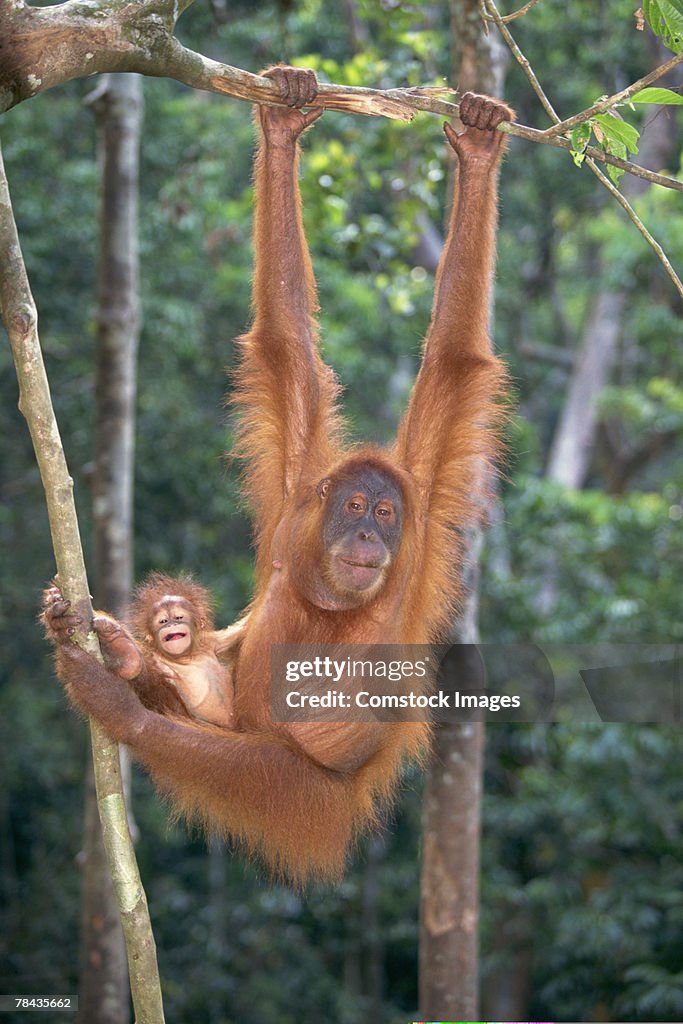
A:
[(50, 45), (490, 7), (622, 466), (21, 321), (490, 12), (507, 18), (633, 216), (536, 135), (547, 354), (562, 127)]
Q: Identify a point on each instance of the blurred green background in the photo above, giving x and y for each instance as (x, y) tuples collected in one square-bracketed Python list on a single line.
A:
[(582, 880)]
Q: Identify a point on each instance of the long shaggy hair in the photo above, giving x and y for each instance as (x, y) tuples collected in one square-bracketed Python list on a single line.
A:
[(158, 586)]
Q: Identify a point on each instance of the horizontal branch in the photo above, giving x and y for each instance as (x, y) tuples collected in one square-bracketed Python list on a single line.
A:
[(47, 46), (536, 135), (547, 354), (173, 60)]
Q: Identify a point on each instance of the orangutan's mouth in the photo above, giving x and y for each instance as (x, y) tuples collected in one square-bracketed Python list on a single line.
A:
[(361, 565)]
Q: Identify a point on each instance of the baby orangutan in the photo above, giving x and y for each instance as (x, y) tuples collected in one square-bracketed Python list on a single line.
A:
[(174, 659)]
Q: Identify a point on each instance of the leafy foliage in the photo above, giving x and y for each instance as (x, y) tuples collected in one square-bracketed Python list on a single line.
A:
[(612, 133), (665, 18), (581, 872)]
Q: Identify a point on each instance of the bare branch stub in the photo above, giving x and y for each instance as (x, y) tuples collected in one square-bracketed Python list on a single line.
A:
[(507, 18)]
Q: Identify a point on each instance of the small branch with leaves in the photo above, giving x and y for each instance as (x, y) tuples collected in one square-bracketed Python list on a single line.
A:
[(47, 46), (635, 93), (602, 120)]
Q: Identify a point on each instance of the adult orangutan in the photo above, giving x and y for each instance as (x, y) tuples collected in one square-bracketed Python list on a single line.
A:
[(355, 548)]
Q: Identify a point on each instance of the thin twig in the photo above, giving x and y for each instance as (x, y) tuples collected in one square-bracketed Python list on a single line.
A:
[(537, 135), (489, 7), (602, 178), (562, 127), (507, 18), (425, 99), (633, 216)]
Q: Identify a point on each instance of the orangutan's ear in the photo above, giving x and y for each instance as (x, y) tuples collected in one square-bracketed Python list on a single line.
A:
[(323, 487)]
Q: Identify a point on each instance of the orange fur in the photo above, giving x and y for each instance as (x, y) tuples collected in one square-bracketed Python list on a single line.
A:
[(299, 793), (157, 587)]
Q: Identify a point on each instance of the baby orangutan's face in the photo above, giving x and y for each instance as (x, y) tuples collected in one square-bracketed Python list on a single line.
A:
[(172, 626)]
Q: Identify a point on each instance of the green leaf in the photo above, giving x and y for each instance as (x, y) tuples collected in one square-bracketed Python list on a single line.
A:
[(618, 131), (655, 95), (665, 18), (580, 138), (581, 135), (616, 148), (615, 173)]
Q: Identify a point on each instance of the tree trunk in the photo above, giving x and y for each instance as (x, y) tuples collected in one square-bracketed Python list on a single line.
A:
[(117, 103), (217, 954), (451, 829), (449, 946), (572, 447), (103, 984), (372, 934), (118, 108)]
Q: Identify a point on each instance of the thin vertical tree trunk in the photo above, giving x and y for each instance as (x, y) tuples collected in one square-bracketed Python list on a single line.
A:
[(117, 104), (371, 930), (449, 948), (216, 951), (574, 440), (35, 403), (118, 108)]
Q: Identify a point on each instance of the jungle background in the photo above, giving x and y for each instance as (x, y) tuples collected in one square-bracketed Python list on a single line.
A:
[(581, 874)]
